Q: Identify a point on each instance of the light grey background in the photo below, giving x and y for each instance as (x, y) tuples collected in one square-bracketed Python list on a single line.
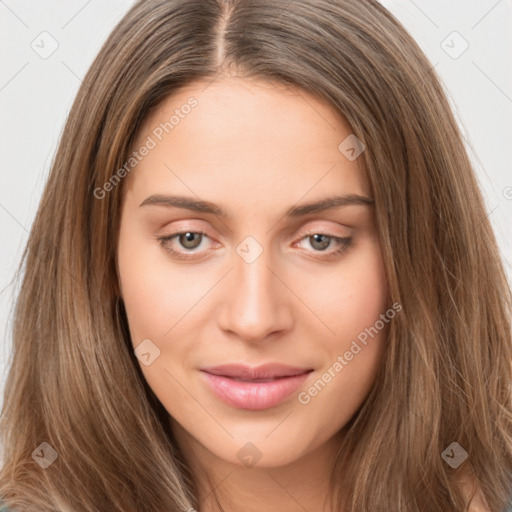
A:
[(36, 94)]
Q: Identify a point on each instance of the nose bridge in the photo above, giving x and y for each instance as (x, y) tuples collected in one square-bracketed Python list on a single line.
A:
[(255, 305)]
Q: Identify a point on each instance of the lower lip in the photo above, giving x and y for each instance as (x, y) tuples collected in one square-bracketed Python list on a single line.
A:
[(253, 395)]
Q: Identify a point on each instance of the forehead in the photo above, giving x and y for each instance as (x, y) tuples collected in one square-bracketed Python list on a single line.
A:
[(247, 135)]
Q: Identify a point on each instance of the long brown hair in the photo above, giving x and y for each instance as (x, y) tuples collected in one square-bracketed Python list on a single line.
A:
[(74, 382)]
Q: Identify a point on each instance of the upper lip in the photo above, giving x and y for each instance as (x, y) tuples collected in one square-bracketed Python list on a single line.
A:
[(264, 371)]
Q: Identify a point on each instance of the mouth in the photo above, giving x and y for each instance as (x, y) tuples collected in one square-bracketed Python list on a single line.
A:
[(253, 380), (265, 371), (256, 388)]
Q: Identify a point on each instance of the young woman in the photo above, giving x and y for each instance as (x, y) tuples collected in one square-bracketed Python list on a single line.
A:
[(261, 277)]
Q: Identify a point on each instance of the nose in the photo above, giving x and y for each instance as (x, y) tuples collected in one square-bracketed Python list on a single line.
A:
[(257, 300)]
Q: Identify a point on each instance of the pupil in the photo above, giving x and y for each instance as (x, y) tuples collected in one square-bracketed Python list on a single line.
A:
[(189, 239), (323, 244)]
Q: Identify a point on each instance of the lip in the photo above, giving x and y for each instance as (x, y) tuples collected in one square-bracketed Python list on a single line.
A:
[(254, 388)]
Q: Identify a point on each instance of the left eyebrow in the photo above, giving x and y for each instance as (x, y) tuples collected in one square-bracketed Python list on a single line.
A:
[(189, 203), (329, 203)]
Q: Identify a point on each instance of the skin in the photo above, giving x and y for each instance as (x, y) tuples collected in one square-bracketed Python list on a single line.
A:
[(255, 149)]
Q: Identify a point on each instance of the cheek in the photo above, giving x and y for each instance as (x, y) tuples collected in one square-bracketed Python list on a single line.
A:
[(156, 298), (365, 293), (149, 288), (353, 296), (350, 304), (354, 345)]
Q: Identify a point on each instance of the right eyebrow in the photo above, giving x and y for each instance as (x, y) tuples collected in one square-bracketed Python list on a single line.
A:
[(183, 202)]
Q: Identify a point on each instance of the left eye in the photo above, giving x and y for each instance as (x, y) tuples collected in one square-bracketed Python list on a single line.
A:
[(321, 241)]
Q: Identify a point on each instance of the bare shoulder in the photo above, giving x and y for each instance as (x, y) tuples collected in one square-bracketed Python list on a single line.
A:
[(478, 506), (470, 487)]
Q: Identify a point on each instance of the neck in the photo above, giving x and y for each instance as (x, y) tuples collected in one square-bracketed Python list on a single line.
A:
[(226, 487)]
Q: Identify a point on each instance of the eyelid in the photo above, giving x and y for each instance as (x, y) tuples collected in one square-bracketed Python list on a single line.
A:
[(341, 245), (310, 229), (330, 231)]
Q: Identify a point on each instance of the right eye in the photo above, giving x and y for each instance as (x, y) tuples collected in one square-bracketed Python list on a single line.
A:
[(188, 240)]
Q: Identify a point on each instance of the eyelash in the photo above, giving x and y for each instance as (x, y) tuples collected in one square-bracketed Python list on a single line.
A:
[(343, 244)]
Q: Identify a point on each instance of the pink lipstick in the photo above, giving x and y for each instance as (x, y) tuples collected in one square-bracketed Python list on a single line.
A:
[(254, 388)]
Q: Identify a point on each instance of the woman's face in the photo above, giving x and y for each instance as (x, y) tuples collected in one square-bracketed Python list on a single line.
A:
[(259, 279)]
